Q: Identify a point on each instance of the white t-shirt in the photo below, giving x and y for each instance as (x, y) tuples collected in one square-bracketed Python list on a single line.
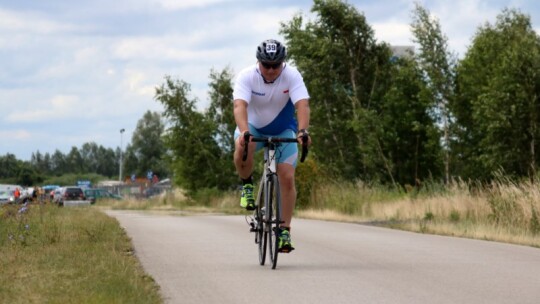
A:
[(271, 105)]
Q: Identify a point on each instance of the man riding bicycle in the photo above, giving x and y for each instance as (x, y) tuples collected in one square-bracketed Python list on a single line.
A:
[(266, 97)]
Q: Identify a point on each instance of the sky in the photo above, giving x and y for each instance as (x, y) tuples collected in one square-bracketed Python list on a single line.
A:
[(73, 72)]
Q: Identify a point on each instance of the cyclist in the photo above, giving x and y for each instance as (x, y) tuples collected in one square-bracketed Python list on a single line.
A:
[(266, 97)]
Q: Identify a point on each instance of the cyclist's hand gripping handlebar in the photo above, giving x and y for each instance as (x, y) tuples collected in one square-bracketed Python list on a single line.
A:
[(304, 139)]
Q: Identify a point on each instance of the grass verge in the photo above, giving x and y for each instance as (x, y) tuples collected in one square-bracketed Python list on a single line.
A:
[(502, 211), (68, 255)]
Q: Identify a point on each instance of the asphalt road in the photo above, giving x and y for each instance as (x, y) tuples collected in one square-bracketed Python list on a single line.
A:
[(213, 259)]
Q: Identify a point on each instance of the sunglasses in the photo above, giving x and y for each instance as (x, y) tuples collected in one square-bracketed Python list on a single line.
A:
[(269, 66)]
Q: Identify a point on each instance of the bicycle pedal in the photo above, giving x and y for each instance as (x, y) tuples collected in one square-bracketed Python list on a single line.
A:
[(285, 250)]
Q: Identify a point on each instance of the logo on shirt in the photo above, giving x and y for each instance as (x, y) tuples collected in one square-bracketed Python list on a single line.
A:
[(257, 93), (286, 91)]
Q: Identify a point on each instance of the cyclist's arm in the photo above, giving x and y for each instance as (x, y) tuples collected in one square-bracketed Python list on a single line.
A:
[(241, 117), (303, 114)]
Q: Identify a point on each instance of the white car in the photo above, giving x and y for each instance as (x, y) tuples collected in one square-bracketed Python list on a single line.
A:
[(6, 196)]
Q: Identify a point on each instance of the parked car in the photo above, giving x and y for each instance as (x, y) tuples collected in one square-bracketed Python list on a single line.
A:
[(49, 191), (95, 194), (10, 193), (6, 196), (63, 194)]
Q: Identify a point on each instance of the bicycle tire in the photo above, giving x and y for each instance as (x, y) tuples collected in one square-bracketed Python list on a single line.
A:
[(260, 237), (274, 219)]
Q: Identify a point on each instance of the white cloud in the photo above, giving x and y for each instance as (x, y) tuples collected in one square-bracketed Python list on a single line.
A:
[(187, 4), (170, 47), (394, 32), (56, 109), (14, 135), (30, 22), (136, 82), (459, 19)]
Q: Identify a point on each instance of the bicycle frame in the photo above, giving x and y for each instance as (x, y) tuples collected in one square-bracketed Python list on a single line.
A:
[(267, 219)]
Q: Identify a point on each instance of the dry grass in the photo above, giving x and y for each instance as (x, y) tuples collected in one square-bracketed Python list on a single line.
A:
[(177, 201), (502, 211)]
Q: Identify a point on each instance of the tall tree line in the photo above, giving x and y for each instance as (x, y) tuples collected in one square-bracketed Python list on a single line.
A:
[(430, 116), (375, 117), (88, 158), (146, 152)]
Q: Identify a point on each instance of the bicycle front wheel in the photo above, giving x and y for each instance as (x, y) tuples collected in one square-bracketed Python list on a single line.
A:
[(261, 237), (273, 211)]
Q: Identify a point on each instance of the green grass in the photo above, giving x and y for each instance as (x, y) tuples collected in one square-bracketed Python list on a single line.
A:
[(68, 255)]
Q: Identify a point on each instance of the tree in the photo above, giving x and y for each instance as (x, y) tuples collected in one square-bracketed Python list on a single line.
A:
[(16, 171), (131, 162), (74, 161), (59, 165), (89, 156), (221, 114), (342, 65), (497, 108), (10, 166), (147, 150), (438, 65), (359, 97), (411, 137), (99, 160), (192, 137), (221, 110), (41, 164), (27, 175)]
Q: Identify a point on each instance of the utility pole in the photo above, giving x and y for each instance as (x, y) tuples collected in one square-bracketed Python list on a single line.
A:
[(121, 148)]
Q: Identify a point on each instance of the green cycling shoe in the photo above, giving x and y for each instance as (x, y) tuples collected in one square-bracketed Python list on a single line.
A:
[(285, 243), (247, 199)]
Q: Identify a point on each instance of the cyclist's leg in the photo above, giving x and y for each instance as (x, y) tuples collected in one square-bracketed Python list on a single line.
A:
[(288, 192), (245, 169), (288, 200), (287, 157)]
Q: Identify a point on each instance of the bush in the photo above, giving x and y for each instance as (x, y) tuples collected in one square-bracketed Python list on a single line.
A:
[(454, 216), (71, 179), (534, 225), (308, 176)]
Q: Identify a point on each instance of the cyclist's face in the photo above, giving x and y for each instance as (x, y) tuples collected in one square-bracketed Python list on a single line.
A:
[(271, 71)]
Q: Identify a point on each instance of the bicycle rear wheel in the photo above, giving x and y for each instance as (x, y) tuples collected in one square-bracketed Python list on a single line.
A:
[(273, 210)]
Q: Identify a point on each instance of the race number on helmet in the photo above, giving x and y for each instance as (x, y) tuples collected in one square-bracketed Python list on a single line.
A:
[(271, 51)]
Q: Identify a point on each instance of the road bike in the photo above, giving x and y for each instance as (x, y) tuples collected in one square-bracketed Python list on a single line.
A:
[(266, 219)]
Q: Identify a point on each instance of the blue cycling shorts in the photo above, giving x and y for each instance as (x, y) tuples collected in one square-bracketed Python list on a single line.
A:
[(286, 153)]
